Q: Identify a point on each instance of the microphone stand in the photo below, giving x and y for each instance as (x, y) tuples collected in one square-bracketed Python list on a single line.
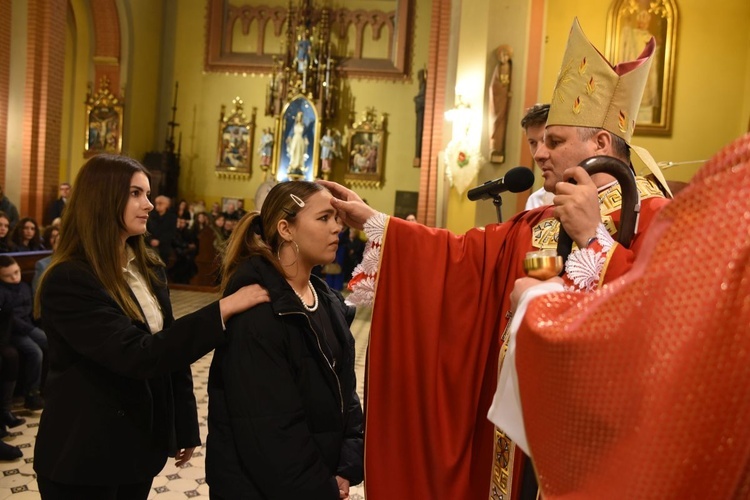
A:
[(498, 202)]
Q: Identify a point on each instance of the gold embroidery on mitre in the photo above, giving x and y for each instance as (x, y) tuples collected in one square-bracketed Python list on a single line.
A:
[(563, 78), (587, 72), (590, 86), (622, 122), (577, 105)]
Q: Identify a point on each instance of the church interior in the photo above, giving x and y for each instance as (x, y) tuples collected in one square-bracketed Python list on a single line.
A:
[(401, 101), (155, 57)]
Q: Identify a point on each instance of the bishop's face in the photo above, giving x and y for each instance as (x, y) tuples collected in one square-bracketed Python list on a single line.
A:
[(562, 149)]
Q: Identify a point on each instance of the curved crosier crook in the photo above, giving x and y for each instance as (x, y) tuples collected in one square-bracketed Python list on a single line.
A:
[(631, 203)]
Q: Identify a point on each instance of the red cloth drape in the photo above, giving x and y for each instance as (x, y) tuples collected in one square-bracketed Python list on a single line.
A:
[(642, 390)]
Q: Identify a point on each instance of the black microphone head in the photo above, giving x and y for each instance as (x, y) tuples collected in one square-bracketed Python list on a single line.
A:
[(518, 179)]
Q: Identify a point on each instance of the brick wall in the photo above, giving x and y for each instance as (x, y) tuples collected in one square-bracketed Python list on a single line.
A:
[(437, 73), (43, 103), (107, 44), (5, 27)]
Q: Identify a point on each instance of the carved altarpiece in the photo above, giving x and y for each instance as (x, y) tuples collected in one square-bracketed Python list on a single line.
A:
[(309, 48), (367, 42)]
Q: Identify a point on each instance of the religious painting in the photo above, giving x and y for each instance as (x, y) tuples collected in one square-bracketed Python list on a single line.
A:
[(296, 156), (235, 146), (104, 114), (366, 151), (630, 25)]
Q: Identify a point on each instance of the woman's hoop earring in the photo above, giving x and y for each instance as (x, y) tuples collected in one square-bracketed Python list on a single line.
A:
[(296, 253)]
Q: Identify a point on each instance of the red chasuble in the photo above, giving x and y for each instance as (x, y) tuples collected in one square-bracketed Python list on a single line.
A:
[(439, 312), (642, 390)]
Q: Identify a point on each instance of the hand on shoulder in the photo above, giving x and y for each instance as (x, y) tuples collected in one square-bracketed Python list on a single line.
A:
[(243, 299)]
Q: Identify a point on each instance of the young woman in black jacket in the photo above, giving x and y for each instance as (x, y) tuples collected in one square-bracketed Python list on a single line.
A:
[(119, 395), (284, 417)]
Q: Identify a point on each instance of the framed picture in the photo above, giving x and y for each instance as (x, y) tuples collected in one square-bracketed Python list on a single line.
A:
[(298, 132), (235, 149), (630, 25), (366, 151), (406, 203), (104, 113)]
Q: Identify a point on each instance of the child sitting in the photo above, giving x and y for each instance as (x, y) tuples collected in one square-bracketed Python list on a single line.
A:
[(8, 374), (27, 338)]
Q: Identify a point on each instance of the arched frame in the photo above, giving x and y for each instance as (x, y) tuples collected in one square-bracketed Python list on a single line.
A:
[(630, 24), (285, 131)]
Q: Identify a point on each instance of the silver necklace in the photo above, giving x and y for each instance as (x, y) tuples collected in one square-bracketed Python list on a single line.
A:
[(313, 307)]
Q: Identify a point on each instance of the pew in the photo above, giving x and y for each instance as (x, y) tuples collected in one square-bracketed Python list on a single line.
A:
[(27, 260), (206, 260)]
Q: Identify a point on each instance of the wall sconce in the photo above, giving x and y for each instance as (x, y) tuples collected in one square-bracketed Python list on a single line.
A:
[(461, 155)]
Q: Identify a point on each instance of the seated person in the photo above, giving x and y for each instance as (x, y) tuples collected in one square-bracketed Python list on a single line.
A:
[(27, 338), (8, 376), (50, 236), (6, 244), (26, 236), (221, 234)]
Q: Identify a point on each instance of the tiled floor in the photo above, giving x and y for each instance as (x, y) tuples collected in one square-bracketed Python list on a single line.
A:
[(18, 481)]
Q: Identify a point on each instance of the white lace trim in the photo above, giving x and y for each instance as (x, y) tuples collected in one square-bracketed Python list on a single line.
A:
[(375, 227), (605, 239), (584, 266), (363, 291)]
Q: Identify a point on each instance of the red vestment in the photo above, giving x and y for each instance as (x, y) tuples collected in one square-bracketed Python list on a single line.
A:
[(439, 311), (642, 390)]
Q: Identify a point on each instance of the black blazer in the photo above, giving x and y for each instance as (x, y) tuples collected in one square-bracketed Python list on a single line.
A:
[(281, 422), (118, 399)]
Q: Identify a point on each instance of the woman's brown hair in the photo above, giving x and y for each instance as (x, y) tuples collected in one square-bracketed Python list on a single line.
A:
[(35, 243), (92, 227), (257, 233)]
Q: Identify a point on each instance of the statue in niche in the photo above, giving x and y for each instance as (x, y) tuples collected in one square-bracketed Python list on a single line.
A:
[(297, 146), (329, 149), (419, 103), (499, 99), (266, 148), (302, 57)]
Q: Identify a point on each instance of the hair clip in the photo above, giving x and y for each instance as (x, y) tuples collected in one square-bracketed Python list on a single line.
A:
[(296, 199)]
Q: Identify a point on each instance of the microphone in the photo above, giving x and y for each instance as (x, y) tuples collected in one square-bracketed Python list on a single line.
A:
[(516, 180)]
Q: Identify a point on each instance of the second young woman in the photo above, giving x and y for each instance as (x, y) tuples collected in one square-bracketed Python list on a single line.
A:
[(284, 417)]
